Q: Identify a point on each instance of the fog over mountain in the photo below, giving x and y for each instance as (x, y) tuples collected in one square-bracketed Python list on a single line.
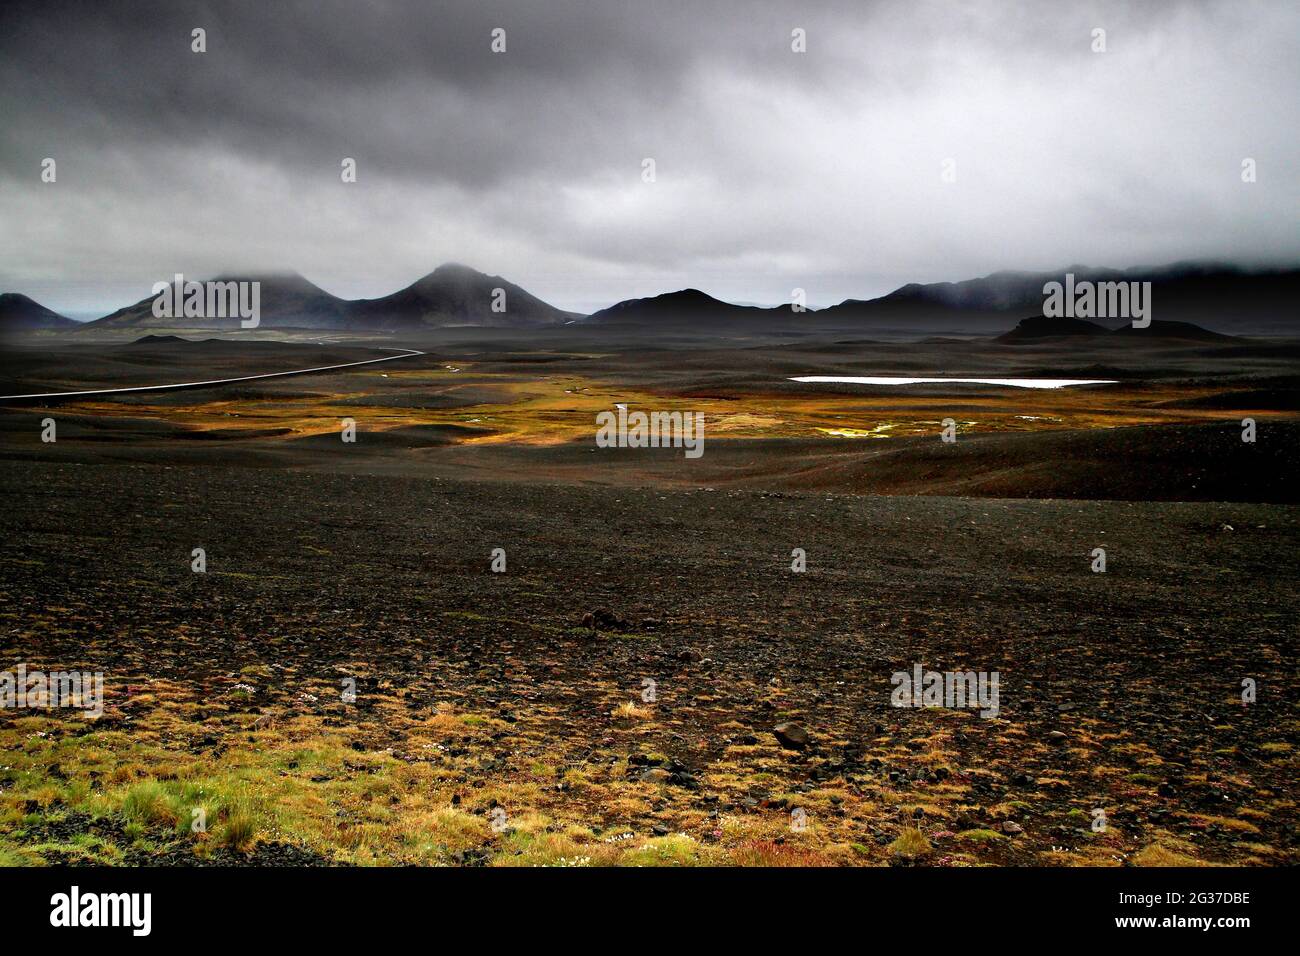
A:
[(1218, 296), (455, 294), (451, 295), (774, 170)]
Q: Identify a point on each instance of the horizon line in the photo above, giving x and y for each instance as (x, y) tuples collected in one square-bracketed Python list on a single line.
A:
[(1257, 266)]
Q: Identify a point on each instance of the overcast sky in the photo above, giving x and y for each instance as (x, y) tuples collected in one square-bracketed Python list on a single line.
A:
[(774, 169)]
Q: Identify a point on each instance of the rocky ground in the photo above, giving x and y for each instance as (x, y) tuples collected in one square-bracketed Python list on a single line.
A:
[(613, 696)]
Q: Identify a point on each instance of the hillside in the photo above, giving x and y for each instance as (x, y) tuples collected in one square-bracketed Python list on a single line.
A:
[(456, 295), (20, 313)]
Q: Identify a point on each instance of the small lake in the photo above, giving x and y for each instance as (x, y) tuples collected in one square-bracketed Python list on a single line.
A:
[(901, 380)]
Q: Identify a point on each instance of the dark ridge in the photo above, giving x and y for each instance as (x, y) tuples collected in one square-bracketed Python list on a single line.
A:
[(1188, 331), (686, 306), (1038, 327), (17, 311)]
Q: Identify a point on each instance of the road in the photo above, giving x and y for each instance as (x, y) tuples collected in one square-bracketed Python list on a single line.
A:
[(87, 393)]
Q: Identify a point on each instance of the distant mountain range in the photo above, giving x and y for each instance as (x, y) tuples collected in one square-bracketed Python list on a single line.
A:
[(1220, 297), (1216, 296), (451, 295)]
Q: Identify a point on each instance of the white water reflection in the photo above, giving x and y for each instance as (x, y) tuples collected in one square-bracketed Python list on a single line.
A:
[(901, 380)]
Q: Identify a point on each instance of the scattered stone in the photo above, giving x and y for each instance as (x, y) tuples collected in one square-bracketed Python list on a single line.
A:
[(791, 736), (602, 619)]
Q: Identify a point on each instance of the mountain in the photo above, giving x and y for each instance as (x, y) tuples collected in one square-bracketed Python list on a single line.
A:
[(1214, 296), (1185, 331), (286, 300), (687, 307), (456, 295), (1039, 327), (451, 295), (18, 312), (1218, 296)]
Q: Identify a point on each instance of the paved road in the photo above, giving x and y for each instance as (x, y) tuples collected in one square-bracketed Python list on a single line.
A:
[(406, 353)]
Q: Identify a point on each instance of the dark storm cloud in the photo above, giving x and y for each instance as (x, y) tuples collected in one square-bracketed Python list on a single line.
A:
[(412, 85), (775, 169)]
